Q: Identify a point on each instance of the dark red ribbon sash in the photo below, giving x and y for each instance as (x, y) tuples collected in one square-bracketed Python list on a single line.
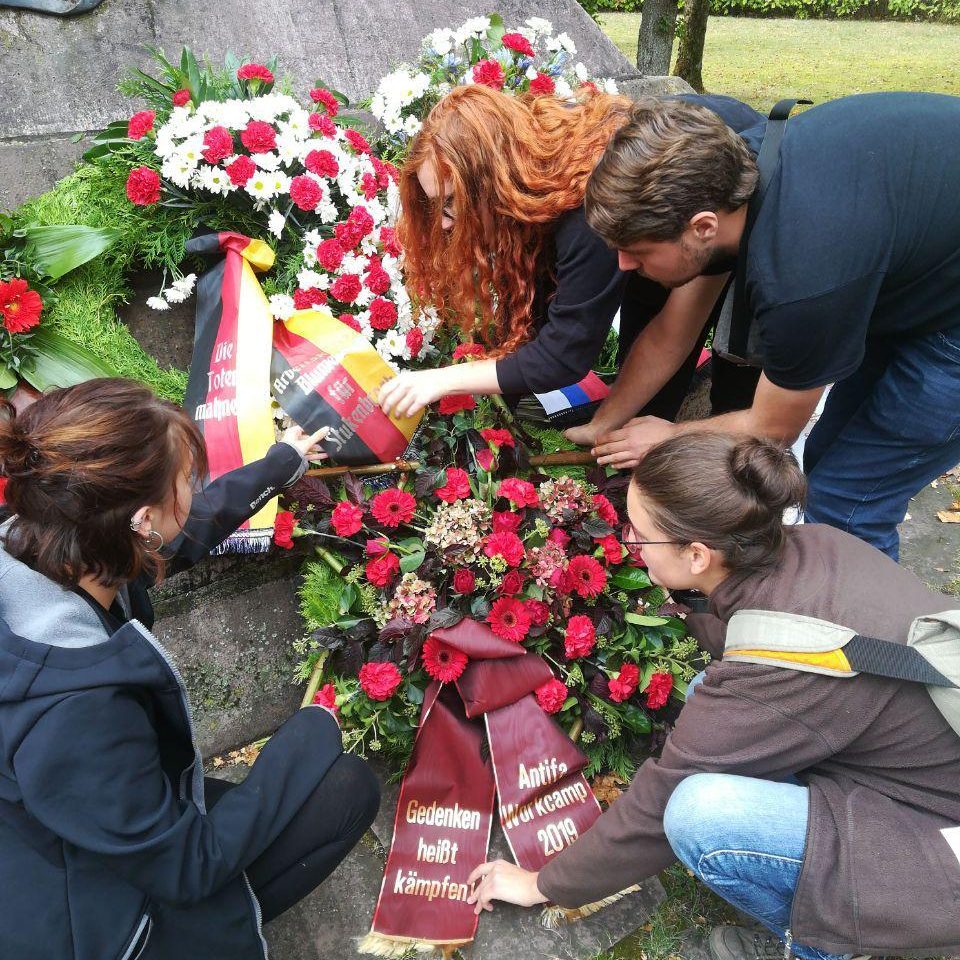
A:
[(445, 810)]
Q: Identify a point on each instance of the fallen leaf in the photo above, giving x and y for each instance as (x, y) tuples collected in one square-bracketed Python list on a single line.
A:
[(949, 516), (607, 788)]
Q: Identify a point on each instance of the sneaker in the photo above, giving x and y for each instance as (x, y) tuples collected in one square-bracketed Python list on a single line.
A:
[(744, 943)]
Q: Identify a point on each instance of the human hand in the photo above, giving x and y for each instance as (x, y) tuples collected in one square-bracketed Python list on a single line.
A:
[(504, 881), (306, 444), (626, 447), (411, 391), (587, 434)]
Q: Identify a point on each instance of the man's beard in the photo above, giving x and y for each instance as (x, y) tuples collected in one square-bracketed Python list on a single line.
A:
[(707, 261)]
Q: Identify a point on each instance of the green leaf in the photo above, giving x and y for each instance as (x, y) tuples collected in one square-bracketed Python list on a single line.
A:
[(347, 597), (8, 378), (630, 578), (642, 621), (412, 561), (58, 249), (59, 362), (497, 29), (414, 693), (152, 82)]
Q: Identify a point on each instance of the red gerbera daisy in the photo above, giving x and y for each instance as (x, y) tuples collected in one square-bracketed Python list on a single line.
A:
[(393, 507), (509, 619), (587, 576), (20, 307), (441, 661)]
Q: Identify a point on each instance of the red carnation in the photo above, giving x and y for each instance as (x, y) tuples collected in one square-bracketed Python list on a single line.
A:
[(143, 186), (414, 340), (321, 123), (464, 581), (350, 320), (181, 98), (587, 577), (326, 696), (325, 97), (357, 141), (383, 313), (542, 85), (255, 71), (308, 299), (455, 402), (512, 583), (388, 237), (346, 519), (379, 681), (305, 192), (457, 486), (259, 137), (376, 279), (393, 507), (486, 459), (20, 306), (241, 170), (385, 172), (489, 73), (357, 226), (605, 509), (612, 549), (382, 570), (441, 661), (283, 530), (521, 492), (506, 521), (467, 350), (580, 637), (498, 438), (658, 690), (369, 185), (552, 695), (140, 124), (519, 43), (539, 612), (509, 619), (346, 289), (559, 537), (506, 545), (623, 685), (329, 253), (218, 144), (323, 163)]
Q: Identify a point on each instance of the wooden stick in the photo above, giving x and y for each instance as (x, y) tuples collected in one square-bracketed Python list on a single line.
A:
[(395, 466), (563, 458), (314, 683)]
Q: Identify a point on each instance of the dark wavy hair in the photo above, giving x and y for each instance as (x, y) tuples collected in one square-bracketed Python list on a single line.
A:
[(80, 462)]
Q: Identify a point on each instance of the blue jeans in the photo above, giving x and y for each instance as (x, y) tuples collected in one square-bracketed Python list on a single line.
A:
[(745, 839), (885, 432)]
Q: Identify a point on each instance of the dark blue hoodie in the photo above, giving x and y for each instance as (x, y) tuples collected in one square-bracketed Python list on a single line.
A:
[(107, 851)]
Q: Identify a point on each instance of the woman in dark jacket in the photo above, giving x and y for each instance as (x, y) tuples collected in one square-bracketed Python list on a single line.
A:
[(113, 846), (494, 236), (826, 807)]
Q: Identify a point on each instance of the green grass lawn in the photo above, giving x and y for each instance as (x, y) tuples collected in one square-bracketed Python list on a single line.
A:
[(760, 61)]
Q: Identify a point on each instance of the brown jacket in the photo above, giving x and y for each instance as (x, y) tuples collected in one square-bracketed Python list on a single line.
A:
[(881, 763)]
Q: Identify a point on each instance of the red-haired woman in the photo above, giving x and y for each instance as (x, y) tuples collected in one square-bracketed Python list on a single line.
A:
[(494, 235)]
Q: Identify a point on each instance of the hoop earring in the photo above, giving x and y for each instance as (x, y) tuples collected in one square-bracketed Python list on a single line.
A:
[(159, 546)]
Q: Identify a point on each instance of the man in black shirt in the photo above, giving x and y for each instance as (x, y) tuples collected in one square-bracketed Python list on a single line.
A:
[(852, 276)]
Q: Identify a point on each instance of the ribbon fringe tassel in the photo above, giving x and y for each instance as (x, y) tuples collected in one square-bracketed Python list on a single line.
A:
[(394, 948), (553, 917)]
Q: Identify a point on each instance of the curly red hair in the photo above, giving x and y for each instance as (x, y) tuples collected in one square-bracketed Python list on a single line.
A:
[(526, 160)]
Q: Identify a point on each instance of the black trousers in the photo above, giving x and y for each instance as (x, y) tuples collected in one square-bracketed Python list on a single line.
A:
[(317, 839), (732, 386)]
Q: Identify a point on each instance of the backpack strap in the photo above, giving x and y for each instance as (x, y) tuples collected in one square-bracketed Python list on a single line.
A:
[(818, 646), (768, 162)]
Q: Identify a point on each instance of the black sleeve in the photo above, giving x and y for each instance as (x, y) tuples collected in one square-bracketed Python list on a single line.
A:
[(223, 505), (818, 340), (589, 291)]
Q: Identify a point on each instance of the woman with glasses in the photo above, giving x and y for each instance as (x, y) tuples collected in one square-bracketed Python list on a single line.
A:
[(495, 238), (825, 807)]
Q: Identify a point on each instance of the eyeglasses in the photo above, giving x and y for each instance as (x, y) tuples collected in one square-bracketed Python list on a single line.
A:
[(628, 530)]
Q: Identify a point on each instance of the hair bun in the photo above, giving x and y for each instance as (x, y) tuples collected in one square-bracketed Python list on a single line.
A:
[(18, 455), (769, 471)]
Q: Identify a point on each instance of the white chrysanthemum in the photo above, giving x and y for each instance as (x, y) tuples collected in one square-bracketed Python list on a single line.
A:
[(440, 41), (276, 222), (563, 89), (313, 280), (165, 144), (271, 106), (328, 212), (267, 161), (412, 125), (566, 43), (280, 181), (609, 85), (298, 122), (366, 330), (368, 246), (181, 122), (532, 73), (261, 186), (395, 343), (235, 114), (213, 179), (282, 306), (583, 75), (190, 151), (289, 149), (178, 171), (539, 26), (364, 298), (182, 287), (157, 303)]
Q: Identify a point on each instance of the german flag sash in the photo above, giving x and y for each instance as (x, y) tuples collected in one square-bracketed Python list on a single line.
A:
[(228, 391), (324, 374)]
